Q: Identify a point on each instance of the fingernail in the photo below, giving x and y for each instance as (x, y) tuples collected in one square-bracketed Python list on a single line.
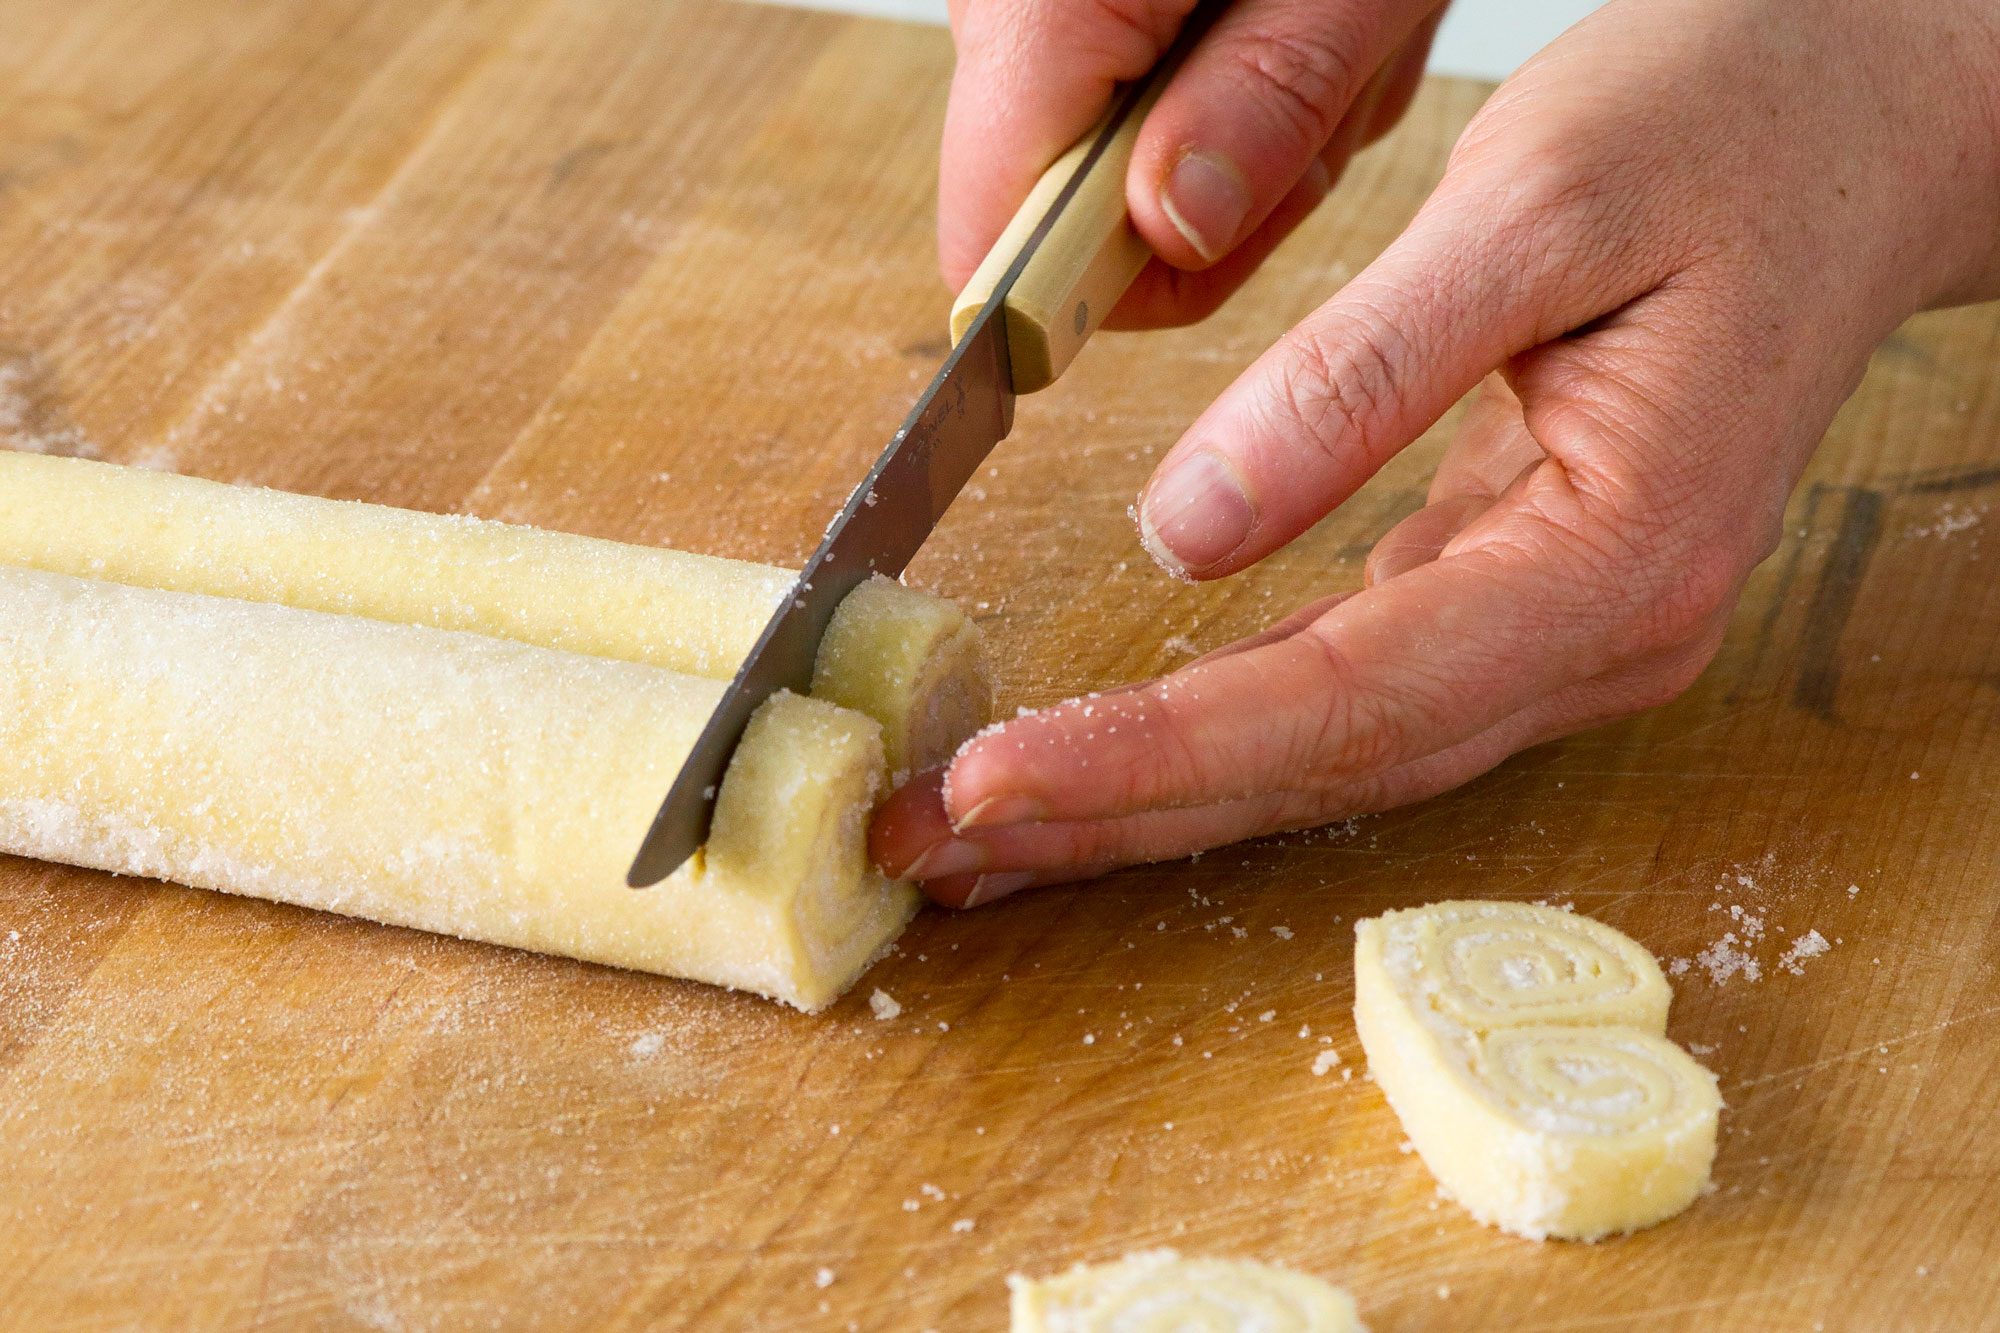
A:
[(1207, 200), (950, 857), (996, 811), (1195, 515), (989, 887)]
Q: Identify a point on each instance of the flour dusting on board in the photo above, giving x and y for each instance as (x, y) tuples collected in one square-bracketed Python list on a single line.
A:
[(1952, 517), (1738, 952), (30, 421)]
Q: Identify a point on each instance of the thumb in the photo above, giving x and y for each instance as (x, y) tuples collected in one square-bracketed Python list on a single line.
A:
[(1493, 265)]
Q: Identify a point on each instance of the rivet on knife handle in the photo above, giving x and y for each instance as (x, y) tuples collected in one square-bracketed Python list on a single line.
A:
[(1085, 263)]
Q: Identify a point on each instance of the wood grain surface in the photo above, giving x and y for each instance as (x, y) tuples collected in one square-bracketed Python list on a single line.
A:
[(663, 271)]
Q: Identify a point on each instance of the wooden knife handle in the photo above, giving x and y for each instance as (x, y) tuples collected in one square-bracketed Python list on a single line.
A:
[(1083, 265)]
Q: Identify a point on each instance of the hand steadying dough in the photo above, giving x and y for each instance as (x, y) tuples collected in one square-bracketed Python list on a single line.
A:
[(1668, 246)]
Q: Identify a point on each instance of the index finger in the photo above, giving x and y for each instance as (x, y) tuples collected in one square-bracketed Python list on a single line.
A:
[(1406, 669)]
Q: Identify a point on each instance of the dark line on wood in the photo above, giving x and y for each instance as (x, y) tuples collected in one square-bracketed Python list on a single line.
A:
[(1947, 480), (1788, 574), (1833, 601)]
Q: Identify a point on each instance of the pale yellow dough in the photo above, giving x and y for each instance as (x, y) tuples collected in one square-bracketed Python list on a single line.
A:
[(1524, 1050), (172, 716), (1158, 1291), (910, 661)]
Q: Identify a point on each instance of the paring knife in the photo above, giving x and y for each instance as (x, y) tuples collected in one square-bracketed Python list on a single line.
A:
[(1042, 290)]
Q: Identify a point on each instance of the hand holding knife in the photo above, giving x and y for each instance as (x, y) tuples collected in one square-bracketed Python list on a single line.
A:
[(1048, 282)]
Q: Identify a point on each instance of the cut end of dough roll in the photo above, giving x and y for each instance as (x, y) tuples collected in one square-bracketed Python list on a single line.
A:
[(912, 662), (1160, 1290), (1523, 1049), (791, 825)]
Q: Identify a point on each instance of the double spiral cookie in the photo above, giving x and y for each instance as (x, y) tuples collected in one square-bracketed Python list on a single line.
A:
[(1524, 1050), (1157, 1291), (1490, 965)]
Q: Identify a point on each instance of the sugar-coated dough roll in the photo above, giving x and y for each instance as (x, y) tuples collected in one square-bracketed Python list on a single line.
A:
[(1157, 1291), (909, 660), (1523, 1048), (449, 781)]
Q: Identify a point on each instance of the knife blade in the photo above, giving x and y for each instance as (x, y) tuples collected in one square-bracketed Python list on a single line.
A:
[(1048, 282)]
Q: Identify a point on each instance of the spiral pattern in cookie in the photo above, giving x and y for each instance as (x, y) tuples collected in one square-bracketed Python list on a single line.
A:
[(1493, 965), (1157, 1291), (1600, 1081)]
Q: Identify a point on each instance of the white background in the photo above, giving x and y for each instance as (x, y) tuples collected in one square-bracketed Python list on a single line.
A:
[(1482, 39)]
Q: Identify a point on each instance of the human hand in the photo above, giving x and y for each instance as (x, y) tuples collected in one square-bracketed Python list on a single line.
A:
[(1250, 135), (1672, 242)]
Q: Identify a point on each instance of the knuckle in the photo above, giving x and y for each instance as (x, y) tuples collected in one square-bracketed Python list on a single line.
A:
[(1175, 762), (1099, 844), (1648, 586), (1339, 382), (1128, 26), (1663, 549), (1692, 591), (1549, 189), (1673, 679), (1007, 42), (1359, 731), (1304, 77), (1543, 147), (1670, 584)]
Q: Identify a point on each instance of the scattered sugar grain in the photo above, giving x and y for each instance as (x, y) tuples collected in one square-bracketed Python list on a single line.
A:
[(1809, 945)]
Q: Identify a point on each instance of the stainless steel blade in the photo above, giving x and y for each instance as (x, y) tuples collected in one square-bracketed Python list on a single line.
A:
[(968, 408)]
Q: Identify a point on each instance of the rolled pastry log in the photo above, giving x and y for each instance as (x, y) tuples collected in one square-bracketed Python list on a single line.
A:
[(910, 661), (1159, 1290), (448, 781), (1524, 1050)]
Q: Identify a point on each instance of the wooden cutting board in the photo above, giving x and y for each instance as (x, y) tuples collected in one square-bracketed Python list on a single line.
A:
[(662, 271)]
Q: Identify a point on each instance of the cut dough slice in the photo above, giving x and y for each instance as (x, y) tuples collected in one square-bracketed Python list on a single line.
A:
[(1523, 1049), (910, 661), (1157, 1291), (449, 781)]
